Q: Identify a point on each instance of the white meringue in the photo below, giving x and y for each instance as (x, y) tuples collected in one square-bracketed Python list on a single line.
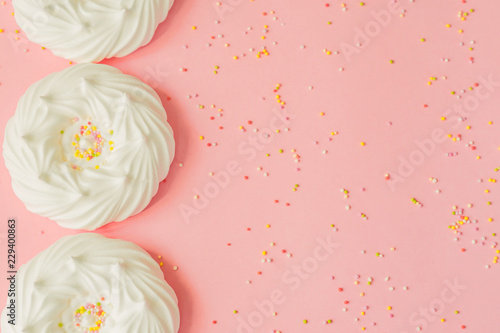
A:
[(46, 149), (96, 273), (90, 30)]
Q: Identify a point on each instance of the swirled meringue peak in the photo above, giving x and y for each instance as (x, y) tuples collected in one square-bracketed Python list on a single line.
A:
[(89, 283), (90, 30), (87, 146)]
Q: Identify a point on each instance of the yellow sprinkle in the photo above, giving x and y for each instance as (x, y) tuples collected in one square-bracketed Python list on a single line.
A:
[(97, 167)]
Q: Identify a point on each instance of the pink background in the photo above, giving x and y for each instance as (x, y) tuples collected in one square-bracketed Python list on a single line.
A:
[(360, 103)]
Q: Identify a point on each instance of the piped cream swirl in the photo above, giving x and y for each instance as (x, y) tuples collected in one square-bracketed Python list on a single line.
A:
[(90, 30), (87, 146), (88, 280)]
